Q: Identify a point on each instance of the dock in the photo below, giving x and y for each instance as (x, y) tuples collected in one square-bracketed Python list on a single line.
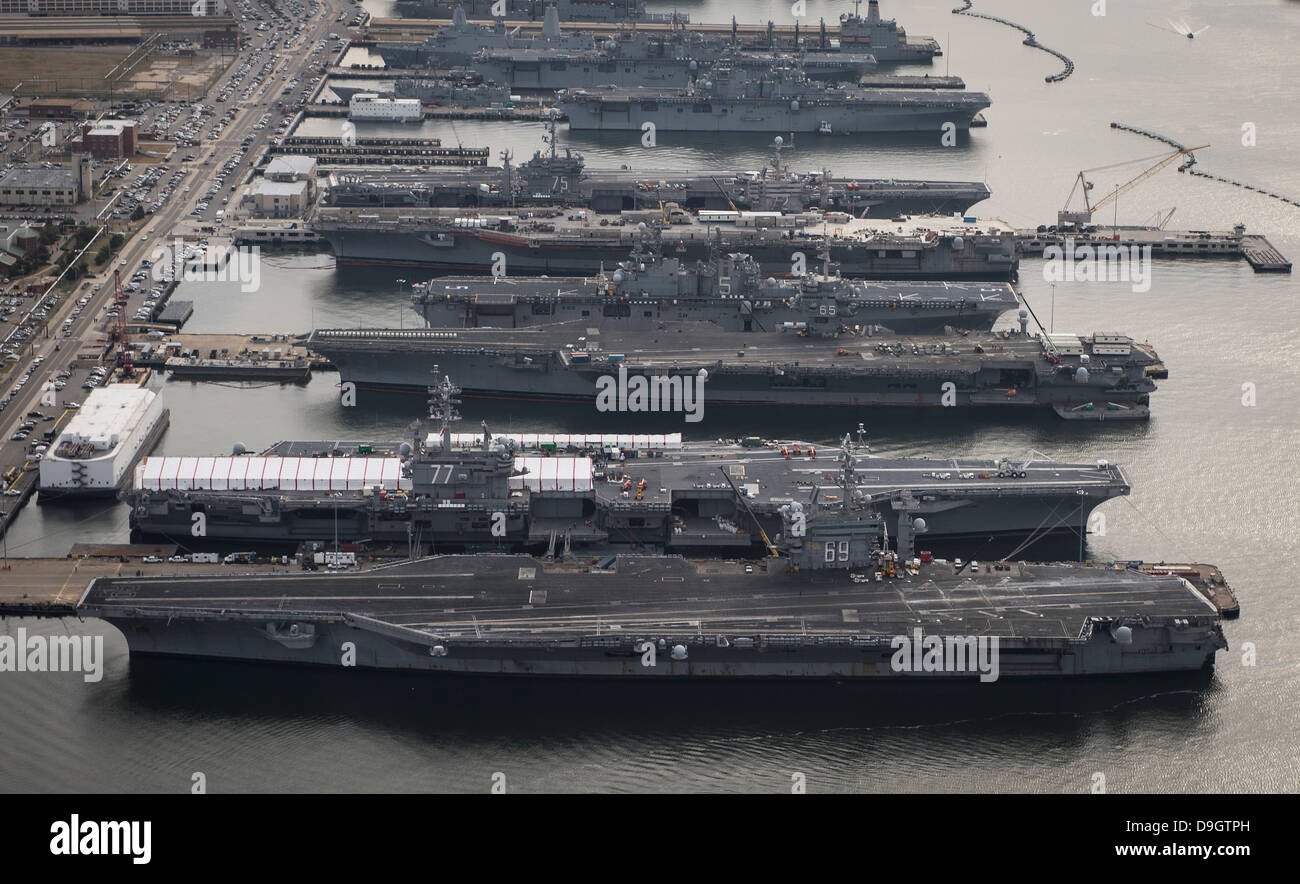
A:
[(51, 587), (229, 347), (529, 113), (1262, 255), (416, 151)]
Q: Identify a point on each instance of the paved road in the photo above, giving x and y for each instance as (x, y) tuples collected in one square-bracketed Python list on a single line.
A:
[(93, 326)]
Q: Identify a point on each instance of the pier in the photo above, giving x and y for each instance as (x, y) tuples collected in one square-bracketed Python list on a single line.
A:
[(529, 113), (1254, 248), (383, 151), (219, 346), (51, 587)]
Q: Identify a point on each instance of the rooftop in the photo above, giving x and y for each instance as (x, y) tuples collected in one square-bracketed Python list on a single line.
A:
[(281, 188), (61, 178), (108, 415)]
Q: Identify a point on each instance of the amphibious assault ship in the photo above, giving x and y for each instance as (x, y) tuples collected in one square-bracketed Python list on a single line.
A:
[(457, 43), (882, 37), (678, 367), (596, 493), (552, 177), (731, 98), (728, 290)]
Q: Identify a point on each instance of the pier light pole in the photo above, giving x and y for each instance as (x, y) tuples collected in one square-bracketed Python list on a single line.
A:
[(1051, 327), (401, 305)]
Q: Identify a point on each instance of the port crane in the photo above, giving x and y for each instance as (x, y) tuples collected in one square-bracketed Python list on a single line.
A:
[(1082, 185)]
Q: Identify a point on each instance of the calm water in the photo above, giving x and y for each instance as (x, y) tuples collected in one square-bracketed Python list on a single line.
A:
[(1214, 480)]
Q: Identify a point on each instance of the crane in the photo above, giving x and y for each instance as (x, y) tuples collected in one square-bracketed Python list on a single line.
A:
[(1083, 185), (771, 547)]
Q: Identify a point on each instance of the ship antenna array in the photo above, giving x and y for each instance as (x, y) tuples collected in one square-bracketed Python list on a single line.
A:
[(849, 474), (442, 405)]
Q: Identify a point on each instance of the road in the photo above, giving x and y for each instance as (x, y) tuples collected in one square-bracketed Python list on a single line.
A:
[(54, 350)]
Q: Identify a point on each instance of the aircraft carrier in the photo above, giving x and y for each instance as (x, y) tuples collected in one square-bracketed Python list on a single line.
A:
[(728, 290), (529, 10), (458, 42), (637, 60), (731, 100), (695, 369), (552, 177), (832, 605), (566, 243), (595, 493)]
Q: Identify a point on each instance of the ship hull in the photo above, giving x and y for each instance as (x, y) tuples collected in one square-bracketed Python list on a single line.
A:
[(512, 376), (470, 252), (767, 116)]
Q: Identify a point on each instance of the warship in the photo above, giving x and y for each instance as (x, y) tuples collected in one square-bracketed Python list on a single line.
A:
[(829, 599), (531, 10), (458, 42), (882, 37), (729, 290), (595, 493), (561, 178), (678, 368), (452, 86), (636, 60), (554, 241), (732, 98), (790, 617)]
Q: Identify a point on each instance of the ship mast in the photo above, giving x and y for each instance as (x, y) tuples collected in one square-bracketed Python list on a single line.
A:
[(442, 406)]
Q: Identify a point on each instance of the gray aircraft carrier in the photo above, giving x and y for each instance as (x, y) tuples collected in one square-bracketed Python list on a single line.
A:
[(597, 493), (556, 243), (696, 369), (556, 178), (647, 617), (734, 98)]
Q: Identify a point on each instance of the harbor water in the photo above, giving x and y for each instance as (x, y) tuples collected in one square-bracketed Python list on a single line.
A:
[(1214, 473)]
